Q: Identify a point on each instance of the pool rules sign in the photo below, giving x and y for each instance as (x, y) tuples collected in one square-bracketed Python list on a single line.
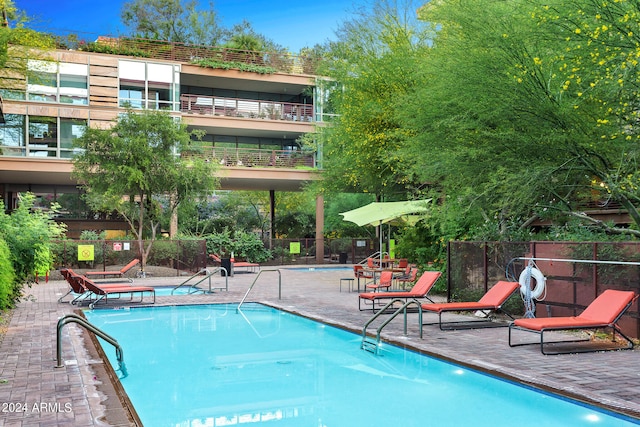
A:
[(85, 252)]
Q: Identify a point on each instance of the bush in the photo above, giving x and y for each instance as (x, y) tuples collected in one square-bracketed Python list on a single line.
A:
[(7, 277), (243, 245)]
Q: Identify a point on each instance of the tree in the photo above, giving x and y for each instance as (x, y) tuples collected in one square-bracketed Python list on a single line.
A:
[(173, 20), (135, 167), (528, 110), (374, 63)]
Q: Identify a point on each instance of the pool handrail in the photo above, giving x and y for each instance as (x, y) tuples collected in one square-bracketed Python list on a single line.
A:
[(374, 347), (208, 275), (74, 318), (254, 282)]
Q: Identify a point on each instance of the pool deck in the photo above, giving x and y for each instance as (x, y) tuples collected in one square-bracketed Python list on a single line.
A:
[(34, 392)]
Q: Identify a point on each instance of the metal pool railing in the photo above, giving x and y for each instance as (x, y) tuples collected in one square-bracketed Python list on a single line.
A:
[(254, 282)]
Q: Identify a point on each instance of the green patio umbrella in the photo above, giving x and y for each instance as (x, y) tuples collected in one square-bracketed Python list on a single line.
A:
[(378, 213)]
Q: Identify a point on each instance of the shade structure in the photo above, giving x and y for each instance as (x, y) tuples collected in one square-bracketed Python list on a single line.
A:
[(378, 213)]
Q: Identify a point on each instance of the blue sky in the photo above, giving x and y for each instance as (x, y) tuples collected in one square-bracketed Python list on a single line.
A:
[(289, 23)]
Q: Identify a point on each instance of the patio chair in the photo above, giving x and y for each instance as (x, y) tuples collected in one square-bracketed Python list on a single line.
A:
[(117, 273), (492, 301), (419, 290), (385, 281), (360, 273), (103, 291), (604, 312)]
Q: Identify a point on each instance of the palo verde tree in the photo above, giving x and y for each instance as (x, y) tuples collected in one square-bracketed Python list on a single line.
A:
[(135, 169), (373, 64), (525, 110)]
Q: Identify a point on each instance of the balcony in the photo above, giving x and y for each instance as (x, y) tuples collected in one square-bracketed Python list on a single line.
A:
[(255, 157), (246, 108)]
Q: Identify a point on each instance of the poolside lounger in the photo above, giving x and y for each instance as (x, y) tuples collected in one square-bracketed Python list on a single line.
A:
[(250, 266), (118, 273), (419, 290), (603, 312), (79, 289), (103, 291), (491, 301)]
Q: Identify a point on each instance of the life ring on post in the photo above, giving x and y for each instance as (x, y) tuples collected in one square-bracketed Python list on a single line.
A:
[(540, 282)]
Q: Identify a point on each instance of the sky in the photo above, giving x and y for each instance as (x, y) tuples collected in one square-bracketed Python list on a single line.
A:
[(288, 23)]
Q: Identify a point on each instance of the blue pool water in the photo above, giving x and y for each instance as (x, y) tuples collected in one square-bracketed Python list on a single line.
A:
[(208, 365), (163, 291)]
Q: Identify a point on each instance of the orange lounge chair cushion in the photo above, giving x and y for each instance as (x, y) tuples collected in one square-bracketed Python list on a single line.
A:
[(419, 290), (492, 300), (603, 311)]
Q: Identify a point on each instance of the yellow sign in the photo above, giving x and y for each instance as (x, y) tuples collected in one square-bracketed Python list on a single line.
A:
[(85, 253), (294, 247)]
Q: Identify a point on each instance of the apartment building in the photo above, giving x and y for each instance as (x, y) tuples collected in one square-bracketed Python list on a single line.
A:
[(252, 118)]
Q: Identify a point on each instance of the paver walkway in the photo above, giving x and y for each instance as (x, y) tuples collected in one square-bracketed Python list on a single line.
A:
[(34, 392)]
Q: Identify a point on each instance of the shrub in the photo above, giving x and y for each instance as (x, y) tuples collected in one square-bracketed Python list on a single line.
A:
[(7, 277)]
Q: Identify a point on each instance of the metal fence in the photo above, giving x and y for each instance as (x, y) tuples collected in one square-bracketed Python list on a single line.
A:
[(181, 255), (574, 271), (191, 255)]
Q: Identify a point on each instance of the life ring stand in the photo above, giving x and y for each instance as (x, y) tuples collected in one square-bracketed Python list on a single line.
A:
[(536, 274)]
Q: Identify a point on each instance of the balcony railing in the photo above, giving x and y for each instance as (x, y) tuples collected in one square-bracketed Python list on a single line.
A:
[(247, 108), (283, 62), (255, 157)]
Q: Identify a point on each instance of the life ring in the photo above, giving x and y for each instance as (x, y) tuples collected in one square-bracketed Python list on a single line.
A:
[(540, 282)]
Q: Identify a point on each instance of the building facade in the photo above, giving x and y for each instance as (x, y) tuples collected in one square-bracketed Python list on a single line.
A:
[(252, 119)]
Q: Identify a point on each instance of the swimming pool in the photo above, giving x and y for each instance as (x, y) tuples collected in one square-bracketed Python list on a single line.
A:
[(208, 365), (164, 291)]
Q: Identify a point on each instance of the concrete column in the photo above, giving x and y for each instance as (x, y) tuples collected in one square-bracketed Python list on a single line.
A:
[(320, 229)]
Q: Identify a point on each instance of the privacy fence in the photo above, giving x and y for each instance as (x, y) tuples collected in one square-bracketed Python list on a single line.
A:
[(576, 273)]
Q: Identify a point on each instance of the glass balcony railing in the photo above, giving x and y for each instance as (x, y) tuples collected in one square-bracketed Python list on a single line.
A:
[(254, 157), (247, 108)]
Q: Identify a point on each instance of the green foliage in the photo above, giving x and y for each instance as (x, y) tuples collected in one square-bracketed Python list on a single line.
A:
[(172, 20), (234, 65), (137, 158), (127, 49), (243, 245), (7, 277), (374, 62), (28, 234)]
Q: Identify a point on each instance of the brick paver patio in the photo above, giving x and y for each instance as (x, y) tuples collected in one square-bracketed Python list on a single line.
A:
[(34, 392)]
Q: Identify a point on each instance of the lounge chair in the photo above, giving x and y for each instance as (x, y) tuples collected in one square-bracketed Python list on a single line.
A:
[(491, 301), (604, 312), (250, 266), (117, 273), (76, 289), (79, 289), (103, 291), (419, 290)]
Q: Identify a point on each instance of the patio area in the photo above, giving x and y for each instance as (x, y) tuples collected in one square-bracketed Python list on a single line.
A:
[(34, 392)]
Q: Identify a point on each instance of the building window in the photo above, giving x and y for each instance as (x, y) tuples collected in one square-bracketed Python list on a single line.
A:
[(58, 82), (148, 85), (70, 129), (43, 136), (12, 135)]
